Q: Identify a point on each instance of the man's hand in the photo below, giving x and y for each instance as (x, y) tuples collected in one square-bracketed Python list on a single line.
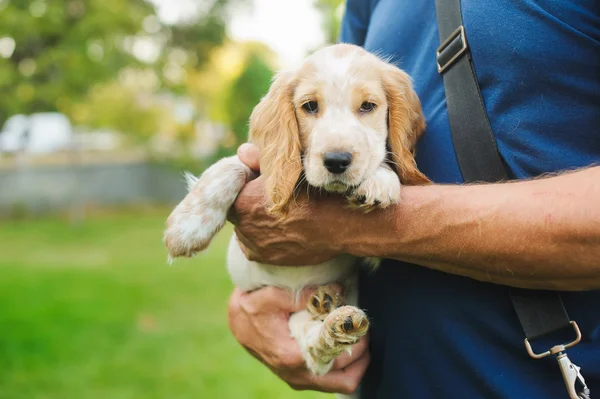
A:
[(259, 321), (306, 236), (540, 234)]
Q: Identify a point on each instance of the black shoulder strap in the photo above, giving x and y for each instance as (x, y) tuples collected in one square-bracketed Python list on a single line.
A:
[(540, 312), (474, 141)]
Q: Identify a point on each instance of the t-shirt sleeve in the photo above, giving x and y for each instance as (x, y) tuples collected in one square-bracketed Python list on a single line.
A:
[(355, 22)]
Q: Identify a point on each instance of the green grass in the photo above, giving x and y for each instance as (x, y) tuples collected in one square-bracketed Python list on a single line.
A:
[(94, 311)]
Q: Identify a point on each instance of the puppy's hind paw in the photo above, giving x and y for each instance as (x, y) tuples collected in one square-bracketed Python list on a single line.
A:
[(323, 302), (345, 326), (341, 329)]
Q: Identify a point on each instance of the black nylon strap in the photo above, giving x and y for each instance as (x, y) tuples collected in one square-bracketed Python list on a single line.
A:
[(540, 312), (472, 135)]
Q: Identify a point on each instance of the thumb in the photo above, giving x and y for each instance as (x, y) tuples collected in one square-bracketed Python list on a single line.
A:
[(249, 154), (268, 299)]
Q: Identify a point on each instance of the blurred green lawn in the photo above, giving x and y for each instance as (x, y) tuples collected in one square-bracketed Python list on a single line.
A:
[(94, 311)]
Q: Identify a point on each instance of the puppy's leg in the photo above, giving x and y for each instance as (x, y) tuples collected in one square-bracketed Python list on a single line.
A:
[(303, 327), (341, 329), (203, 212), (322, 341), (381, 189)]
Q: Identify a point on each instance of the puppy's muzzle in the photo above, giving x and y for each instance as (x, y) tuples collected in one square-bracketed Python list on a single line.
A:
[(337, 162)]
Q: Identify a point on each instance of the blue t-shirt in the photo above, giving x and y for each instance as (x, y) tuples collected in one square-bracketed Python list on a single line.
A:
[(436, 335)]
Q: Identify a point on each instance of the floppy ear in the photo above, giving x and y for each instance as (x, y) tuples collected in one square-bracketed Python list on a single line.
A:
[(274, 130), (406, 124)]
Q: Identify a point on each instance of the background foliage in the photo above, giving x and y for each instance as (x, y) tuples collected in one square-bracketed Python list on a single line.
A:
[(104, 63), (70, 54), (90, 309)]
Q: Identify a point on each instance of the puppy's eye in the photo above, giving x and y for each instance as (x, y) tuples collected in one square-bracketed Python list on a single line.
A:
[(367, 107), (312, 107)]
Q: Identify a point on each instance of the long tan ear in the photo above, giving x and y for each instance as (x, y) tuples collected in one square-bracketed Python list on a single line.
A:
[(406, 124), (274, 130)]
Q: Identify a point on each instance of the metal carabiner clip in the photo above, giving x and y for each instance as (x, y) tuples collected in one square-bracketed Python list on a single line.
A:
[(570, 372), (572, 375)]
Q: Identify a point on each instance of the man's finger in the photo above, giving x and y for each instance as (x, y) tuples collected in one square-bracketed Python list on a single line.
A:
[(244, 245), (270, 298), (243, 241), (235, 298), (248, 154), (343, 381), (358, 351)]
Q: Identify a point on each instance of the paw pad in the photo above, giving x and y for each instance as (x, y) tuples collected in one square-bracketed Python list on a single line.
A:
[(348, 325), (323, 302)]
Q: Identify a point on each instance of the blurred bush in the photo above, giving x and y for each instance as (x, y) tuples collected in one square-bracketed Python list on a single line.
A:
[(181, 86), (73, 56)]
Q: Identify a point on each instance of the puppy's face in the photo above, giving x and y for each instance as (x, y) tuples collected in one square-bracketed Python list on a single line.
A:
[(334, 119), (341, 109)]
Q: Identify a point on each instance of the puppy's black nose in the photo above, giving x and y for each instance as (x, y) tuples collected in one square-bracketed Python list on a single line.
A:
[(337, 162)]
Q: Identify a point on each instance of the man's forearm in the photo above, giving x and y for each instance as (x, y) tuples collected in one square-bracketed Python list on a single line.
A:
[(541, 233)]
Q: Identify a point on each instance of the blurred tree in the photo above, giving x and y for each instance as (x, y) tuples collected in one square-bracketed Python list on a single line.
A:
[(63, 47), (331, 11), (229, 87), (118, 107), (245, 92), (209, 86), (53, 51)]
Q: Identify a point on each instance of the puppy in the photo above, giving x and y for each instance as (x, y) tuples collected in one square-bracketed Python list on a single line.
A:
[(346, 122)]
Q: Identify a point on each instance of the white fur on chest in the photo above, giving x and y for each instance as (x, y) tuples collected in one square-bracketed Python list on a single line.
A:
[(249, 275)]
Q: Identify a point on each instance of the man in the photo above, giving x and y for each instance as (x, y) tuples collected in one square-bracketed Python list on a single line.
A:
[(443, 325)]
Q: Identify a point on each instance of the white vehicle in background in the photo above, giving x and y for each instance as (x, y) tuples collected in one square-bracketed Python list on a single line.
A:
[(39, 133)]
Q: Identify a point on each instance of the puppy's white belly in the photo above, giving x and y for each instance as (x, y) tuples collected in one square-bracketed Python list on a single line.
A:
[(248, 275)]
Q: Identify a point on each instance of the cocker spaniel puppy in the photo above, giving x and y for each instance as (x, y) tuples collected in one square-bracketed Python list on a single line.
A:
[(346, 122)]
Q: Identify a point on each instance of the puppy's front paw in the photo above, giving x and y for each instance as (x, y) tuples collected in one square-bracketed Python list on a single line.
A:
[(189, 231), (380, 190), (203, 212)]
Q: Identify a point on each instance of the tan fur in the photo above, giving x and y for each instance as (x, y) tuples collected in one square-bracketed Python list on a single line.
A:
[(283, 131), (273, 128), (406, 125)]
